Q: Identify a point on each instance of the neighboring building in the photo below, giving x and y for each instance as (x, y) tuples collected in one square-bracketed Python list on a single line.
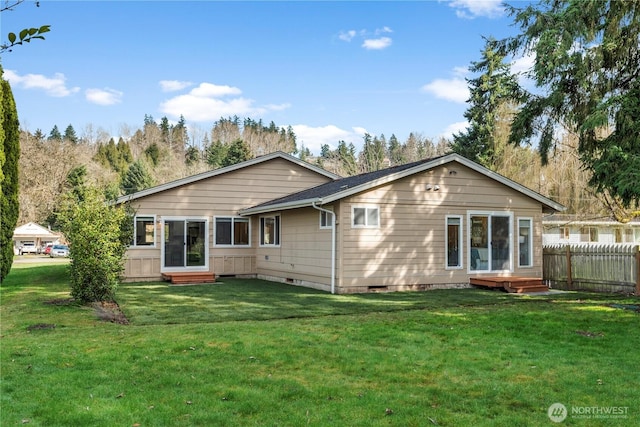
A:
[(428, 224), (571, 229), (32, 238)]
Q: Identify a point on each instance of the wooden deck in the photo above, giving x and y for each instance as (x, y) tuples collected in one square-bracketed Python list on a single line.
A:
[(511, 284), (189, 278)]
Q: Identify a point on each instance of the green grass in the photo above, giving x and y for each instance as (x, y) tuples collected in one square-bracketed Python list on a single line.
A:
[(249, 352)]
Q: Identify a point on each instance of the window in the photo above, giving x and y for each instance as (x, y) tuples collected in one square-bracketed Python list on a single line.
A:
[(454, 242), (232, 231), (617, 235), (490, 237), (589, 234), (366, 217), (144, 231), (525, 242), (270, 230), (564, 233), (325, 219)]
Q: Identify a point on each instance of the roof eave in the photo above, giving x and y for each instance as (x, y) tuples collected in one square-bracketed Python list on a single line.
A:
[(280, 206)]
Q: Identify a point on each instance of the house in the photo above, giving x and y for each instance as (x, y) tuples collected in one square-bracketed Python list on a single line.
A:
[(31, 238), (428, 224), (562, 229)]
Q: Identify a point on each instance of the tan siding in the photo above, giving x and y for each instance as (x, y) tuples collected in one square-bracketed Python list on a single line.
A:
[(305, 251), (223, 195), (409, 246)]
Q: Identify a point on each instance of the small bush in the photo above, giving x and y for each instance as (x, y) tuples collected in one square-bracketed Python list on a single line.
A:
[(98, 238)]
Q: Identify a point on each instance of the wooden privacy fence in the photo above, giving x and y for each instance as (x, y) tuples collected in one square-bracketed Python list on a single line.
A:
[(594, 267)]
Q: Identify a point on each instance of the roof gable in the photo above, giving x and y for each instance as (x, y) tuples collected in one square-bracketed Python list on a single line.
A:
[(227, 169), (345, 187), (33, 229)]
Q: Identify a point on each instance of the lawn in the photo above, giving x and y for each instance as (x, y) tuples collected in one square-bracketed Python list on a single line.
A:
[(255, 353)]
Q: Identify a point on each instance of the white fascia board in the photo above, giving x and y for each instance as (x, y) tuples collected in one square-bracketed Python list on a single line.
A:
[(280, 207)]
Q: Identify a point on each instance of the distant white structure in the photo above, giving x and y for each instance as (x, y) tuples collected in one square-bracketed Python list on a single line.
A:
[(572, 229), (32, 238)]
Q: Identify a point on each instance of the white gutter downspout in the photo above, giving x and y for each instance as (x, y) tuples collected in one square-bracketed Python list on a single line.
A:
[(333, 244)]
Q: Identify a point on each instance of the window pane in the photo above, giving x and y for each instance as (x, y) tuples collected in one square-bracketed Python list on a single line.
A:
[(359, 216), (145, 230), (524, 242), (223, 231), (372, 217), (241, 232), (453, 242), (268, 231)]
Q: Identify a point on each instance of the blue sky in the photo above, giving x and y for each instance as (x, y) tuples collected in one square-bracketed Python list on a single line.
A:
[(332, 70)]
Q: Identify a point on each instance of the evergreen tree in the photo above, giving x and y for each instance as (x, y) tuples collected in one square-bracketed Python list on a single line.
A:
[(586, 76), (153, 154), (238, 152), (215, 154), (136, 178), (10, 149), (347, 156), (70, 135), (396, 156), (192, 155), (55, 134), (495, 86)]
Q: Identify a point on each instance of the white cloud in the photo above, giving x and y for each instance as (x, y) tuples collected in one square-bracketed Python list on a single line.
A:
[(377, 44), (314, 137), (370, 40), (455, 89), (347, 36), (453, 129), (173, 85), (211, 90), (383, 30), (209, 102), (470, 9), (53, 86), (104, 96)]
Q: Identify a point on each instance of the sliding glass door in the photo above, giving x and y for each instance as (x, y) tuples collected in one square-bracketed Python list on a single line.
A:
[(185, 243), (490, 242)]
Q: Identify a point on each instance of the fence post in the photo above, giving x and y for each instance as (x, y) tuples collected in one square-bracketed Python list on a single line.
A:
[(638, 270), (569, 279)]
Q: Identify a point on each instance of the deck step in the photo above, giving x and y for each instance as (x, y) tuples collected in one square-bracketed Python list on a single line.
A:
[(513, 284), (189, 278)]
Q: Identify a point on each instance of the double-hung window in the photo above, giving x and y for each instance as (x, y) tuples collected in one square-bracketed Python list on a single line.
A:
[(365, 217), (231, 231), (270, 230), (144, 231)]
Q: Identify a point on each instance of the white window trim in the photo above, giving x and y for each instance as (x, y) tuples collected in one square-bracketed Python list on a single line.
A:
[(155, 233), (327, 218), (270, 245), (206, 220), (460, 266), (233, 219), (511, 240), (530, 219), (366, 216)]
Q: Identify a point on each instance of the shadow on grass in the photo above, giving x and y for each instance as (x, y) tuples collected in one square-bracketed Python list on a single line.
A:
[(232, 299)]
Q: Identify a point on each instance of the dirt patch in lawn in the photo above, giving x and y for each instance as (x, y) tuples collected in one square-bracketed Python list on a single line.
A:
[(109, 311)]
